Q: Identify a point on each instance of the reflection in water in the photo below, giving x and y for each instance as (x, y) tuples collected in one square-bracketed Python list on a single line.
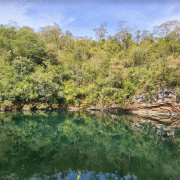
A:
[(62, 145)]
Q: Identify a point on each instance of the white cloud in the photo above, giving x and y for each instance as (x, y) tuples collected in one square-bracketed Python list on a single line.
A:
[(81, 19), (32, 15)]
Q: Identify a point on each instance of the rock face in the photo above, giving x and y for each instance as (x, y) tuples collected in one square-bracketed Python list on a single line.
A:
[(163, 107), (166, 95)]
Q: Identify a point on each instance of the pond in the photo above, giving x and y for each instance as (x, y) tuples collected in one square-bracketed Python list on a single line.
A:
[(59, 145)]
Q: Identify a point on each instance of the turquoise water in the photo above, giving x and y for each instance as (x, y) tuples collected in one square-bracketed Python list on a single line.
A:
[(62, 145)]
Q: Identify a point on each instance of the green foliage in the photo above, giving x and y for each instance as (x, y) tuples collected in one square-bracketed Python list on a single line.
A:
[(38, 144), (139, 56), (77, 55), (5, 104), (56, 69), (178, 95), (31, 46)]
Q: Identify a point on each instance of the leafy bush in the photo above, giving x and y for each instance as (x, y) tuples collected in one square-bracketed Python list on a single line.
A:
[(139, 56)]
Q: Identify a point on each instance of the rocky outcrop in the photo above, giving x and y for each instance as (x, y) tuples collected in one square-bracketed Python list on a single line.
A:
[(166, 95), (163, 107)]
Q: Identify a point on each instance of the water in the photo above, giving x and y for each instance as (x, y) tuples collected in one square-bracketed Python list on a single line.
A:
[(62, 145)]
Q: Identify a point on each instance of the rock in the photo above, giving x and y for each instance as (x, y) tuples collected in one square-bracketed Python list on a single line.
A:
[(138, 100), (167, 100), (160, 96), (167, 129), (113, 106), (173, 97), (159, 126), (144, 105), (159, 101)]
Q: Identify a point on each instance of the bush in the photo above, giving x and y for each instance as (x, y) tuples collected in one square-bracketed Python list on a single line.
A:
[(139, 56), (6, 104), (178, 95)]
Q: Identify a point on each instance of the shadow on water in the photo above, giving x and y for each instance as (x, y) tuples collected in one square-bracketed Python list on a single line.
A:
[(66, 145)]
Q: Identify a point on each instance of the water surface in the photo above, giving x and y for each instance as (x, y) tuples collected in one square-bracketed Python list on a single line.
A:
[(65, 145)]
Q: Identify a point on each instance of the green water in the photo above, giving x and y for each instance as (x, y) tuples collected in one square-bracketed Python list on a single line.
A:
[(62, 145)]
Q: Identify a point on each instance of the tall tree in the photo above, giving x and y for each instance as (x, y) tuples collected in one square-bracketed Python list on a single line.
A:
[(7, 39), (138, 36), (164, 29), (124, 34), (51, 33), (29, 45), (101, 32)]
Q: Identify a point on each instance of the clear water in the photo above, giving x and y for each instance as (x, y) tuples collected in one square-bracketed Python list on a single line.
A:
[(62, 145)]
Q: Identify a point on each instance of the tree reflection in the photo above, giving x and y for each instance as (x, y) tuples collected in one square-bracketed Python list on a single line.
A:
[(44, 144)]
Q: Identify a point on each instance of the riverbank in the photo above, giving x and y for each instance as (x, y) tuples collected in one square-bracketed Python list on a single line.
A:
[(163, 107), (165, 112)]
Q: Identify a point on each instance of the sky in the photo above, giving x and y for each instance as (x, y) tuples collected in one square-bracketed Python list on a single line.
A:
[(82, 16)]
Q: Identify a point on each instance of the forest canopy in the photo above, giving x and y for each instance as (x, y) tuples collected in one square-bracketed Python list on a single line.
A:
[(52, 68)]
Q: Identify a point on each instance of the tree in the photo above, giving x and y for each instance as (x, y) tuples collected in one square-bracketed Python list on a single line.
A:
[(51, 33), (139, 56), (124, 34), (173, 46), (101, 32), (138, 36), (66, 42), (77, 55), (112, 45), (27, 29), (146, 35), (7, 39), (175, 34), (12, 24), (29, 45), (164, 29)]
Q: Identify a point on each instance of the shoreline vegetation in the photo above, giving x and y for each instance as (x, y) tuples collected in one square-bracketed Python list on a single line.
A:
[(133, 70), (164, 113)]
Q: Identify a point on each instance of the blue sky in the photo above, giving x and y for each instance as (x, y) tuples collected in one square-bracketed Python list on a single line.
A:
[(81, 16)]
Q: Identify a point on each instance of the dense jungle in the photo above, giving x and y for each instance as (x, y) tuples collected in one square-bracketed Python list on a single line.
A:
[(51, 68)]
